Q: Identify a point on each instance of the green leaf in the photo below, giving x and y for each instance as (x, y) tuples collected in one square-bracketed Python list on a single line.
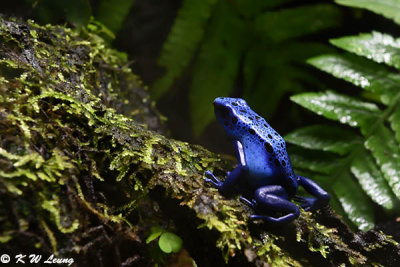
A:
[(113, 13), (338, 107), (395, 122), (325, 138), (371, 180), (354, 202), (216, 67), (312, 160), (386, 152), (360, 72), (297, 21), (155, 231), (182, 42), (388, 8), (380, 47), (170, 242)]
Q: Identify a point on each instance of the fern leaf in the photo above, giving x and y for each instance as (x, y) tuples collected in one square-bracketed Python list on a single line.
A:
[(217, 65), (386, 154), (380, 47), (374, 161), (371, 180), (361, 72), (347, 110), (354, 202), (395, 122), (297, 21), (325, 138), (388, 8), (113, 13), (186, 33), (317, 162)]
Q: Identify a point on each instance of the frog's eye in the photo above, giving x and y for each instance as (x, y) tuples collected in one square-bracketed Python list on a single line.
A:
[(223, 111), (234, 120), (283, 163), (252, 131)]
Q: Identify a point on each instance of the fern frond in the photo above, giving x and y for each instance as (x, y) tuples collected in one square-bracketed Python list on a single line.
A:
[(217, 65), (113, 13), (361, 72), (379, 47), (372, 164), (326, 138), (183, 40), (387, 8), (297, 21)]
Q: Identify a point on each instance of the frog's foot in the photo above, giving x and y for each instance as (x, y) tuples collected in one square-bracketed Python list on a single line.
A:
[(306, 202), (251, 204), (321, 196), (212, 179), (275, 198)]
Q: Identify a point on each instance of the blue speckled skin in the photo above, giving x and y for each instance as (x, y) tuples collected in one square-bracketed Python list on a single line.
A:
[(264, 170)]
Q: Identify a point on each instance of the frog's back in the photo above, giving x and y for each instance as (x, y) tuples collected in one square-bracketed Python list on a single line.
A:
[(265, 149)]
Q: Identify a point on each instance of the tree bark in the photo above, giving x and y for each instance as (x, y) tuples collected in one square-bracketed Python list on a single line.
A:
[(86, 172)]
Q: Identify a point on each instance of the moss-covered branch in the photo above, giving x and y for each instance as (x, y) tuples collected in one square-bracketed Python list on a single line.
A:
[(79, 158)]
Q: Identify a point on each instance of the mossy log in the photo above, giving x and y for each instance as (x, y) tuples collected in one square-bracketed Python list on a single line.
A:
[(85, 171)]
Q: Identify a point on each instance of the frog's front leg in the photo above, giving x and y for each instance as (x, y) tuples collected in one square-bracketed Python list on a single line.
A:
[(312, 203), (227, 187), (273, 198)]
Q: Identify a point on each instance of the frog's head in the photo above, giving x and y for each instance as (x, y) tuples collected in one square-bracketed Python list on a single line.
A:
[(228, 112)]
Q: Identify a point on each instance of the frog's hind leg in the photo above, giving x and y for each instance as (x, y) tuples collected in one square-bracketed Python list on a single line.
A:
[(320, 199), (275, 198)]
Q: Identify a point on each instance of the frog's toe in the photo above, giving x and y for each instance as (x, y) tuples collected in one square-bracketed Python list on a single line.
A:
[(299, 199), (308, 204), (251, 204), (211, 176), (217, 184), (212, 179)]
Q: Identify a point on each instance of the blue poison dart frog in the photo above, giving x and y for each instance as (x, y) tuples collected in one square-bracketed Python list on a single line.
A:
[(264, 174)]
